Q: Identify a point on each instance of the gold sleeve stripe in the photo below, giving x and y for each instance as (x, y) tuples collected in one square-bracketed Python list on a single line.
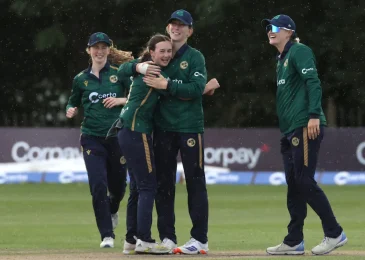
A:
[(305, 146), (142, 103), (147, 152), (200, 152), (116, 68)]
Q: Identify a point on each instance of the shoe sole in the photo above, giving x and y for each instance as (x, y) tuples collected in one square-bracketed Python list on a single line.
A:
[(107, 246), (286, 253), (179, 251), (342, 243), (129, 252), (151, 253)]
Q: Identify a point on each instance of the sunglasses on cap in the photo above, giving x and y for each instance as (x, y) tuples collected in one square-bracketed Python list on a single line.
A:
[(275, 29)]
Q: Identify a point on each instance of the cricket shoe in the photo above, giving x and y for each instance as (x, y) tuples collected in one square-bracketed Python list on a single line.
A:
[(143, 247), (284, 249), (329, 244), (192, 247), (115, 220), (169, 244), (128, 248), (107, 242)]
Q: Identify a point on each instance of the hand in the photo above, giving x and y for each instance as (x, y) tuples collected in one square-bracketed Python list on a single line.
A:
[(159, 83), (71, 112), (148, 68), (313, 128), (112, 102), (209, 93), (212, 85)]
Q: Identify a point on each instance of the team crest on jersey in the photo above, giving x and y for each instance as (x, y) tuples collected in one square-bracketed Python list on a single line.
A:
[(113, 78), (286, 63), (295, 141), (191, 142), (122, 160), (184, 65), (85, 83)]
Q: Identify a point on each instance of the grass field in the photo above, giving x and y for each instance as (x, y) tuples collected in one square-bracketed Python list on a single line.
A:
[(44, 221)]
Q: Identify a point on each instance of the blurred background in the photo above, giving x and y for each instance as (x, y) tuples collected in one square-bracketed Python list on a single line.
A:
[(43, 47)]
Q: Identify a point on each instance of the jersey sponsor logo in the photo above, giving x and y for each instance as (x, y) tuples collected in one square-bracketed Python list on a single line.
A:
[(304, 71), (281, 82), (85, 83), (94, 97), (197, 74), (113, 78), (184, 64), (179, 81)]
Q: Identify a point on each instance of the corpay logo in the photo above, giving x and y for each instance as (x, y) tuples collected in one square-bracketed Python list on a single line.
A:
[(71, 177), (22, 152), (360, 153), (343, 178), (277, 178), (227, 156), (17, 178)]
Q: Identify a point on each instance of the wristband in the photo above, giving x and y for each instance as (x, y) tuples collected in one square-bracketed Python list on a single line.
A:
[(142, 68)]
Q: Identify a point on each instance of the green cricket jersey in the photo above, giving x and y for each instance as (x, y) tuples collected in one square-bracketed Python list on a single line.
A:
[(187, 79), (90, 91), (299, 91), (138, 112)]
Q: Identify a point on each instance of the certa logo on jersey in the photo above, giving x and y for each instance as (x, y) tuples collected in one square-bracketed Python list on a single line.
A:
[(94, 97)]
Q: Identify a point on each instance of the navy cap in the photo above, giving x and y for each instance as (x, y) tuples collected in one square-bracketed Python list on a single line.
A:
[(280, 20), (183, 16), (99, 37)]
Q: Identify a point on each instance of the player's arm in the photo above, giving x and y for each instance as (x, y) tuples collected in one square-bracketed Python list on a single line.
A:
[(193, 89), (74, 100), (135, 67), (121, 101), (304, 62)]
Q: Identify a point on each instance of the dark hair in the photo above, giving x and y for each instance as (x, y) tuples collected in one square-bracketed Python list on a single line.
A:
[(151, 45)]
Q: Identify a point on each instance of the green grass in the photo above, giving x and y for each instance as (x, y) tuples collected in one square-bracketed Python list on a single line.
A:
[(60, 217)]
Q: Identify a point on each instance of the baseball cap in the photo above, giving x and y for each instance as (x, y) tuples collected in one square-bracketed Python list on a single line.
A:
[(281, 20), (99, 37), (183, 16)]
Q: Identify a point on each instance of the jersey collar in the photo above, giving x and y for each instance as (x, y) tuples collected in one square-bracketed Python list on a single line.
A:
[(106, 68), (285, 51), (182, 49)]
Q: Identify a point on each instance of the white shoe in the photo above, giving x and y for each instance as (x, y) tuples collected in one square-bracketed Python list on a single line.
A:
[(169, 244), (143, 247), (115, 220), (284, 249), (128, 248), (107, 242), (192, 247), (329, 244)]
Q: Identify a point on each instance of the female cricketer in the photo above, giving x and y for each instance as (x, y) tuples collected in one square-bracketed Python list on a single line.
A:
[(301, 121), (99, 90), (135, 140), (179, 126)]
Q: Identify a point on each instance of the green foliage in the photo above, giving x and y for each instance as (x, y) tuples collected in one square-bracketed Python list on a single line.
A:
[(53, 36)]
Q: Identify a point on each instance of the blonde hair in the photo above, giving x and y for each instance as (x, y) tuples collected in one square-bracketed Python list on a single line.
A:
[(116, 57), (119, 57), (296, 39)]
